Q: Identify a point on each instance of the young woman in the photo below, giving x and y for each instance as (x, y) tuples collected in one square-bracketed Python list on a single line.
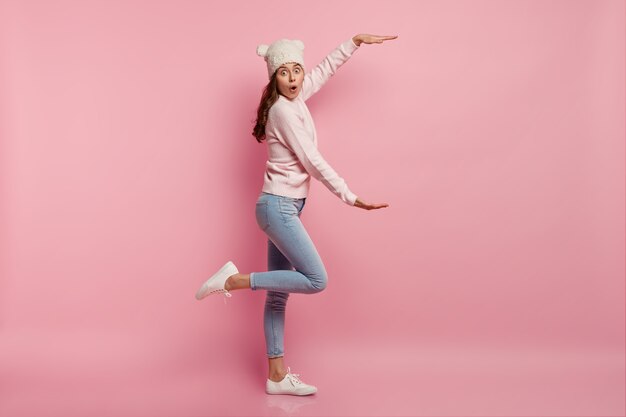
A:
[(284, 121)]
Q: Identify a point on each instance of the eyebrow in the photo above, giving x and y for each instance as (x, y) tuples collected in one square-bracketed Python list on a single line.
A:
[(296, 65)]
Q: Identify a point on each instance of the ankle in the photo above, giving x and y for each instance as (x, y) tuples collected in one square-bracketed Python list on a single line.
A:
[(231, 283), (277, 376)]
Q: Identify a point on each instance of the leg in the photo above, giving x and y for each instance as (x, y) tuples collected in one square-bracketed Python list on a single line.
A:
[(279, 217), (274, 316)]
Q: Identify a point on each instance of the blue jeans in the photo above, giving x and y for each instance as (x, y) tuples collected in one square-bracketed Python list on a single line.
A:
[(289, 247)]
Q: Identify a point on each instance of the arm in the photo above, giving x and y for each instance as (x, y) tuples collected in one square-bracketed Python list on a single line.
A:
[(315, 79), (299, 141)]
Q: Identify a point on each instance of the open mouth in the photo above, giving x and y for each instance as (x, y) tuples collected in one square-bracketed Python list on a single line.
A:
[(293, 88)]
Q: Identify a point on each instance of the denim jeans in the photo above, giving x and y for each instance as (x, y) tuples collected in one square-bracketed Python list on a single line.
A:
[(292, 261)]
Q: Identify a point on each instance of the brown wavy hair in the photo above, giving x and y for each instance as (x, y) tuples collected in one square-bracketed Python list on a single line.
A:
[(269, 97)]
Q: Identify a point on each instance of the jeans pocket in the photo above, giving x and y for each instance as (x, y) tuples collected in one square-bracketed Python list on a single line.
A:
[(262, 216)]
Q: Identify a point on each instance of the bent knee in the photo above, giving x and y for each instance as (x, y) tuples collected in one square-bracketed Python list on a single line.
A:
[(319, 283)]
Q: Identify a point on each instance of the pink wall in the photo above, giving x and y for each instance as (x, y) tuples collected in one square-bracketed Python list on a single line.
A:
[(494, 129)]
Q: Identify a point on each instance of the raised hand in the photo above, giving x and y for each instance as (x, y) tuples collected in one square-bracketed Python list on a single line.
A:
[(367, 38), (367, 206)]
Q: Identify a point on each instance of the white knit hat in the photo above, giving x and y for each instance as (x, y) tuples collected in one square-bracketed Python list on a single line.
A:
[(281, 52)]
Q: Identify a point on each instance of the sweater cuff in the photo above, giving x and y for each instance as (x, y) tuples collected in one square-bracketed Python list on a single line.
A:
[(351, 45), (351, 198)]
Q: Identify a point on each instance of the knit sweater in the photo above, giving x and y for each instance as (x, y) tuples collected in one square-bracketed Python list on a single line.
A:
[(292, 151)]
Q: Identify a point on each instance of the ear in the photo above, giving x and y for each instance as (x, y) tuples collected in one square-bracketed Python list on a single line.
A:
[(261, 50), (299, 44)]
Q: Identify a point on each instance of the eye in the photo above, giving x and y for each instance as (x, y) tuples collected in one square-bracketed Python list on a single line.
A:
[(297, 70), (283, 72)]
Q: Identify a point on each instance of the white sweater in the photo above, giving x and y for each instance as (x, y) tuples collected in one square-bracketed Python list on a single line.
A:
[(291, 139)]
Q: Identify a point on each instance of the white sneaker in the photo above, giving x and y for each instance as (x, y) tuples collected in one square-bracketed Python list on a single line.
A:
[(290, 384), (215, 284)]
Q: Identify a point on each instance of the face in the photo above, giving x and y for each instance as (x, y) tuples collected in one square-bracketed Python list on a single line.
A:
[(289, 79)]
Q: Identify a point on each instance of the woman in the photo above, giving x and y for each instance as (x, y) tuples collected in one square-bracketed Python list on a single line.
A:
[(283, 119)]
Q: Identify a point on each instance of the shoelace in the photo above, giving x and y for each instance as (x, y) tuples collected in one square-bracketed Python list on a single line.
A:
[(294, 377), (226, 293)]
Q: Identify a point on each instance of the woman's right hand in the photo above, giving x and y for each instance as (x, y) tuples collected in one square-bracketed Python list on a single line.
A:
[(366, 206)]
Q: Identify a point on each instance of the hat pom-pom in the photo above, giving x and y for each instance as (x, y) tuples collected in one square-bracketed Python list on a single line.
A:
[(261, 50)]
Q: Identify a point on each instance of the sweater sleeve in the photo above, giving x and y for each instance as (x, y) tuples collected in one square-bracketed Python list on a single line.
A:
[(318, 76), (291, 129)]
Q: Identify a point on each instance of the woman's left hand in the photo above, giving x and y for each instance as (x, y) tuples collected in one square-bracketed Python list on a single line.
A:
[(367, 38)]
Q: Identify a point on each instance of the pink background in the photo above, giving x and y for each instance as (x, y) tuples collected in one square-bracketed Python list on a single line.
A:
[(492, 285)]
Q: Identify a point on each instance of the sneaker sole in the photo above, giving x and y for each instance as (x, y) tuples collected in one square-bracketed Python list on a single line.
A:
[(290, 393)]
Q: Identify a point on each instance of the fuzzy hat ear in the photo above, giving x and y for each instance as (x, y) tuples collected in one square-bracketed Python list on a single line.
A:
[(299, 44), (261, 50)]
